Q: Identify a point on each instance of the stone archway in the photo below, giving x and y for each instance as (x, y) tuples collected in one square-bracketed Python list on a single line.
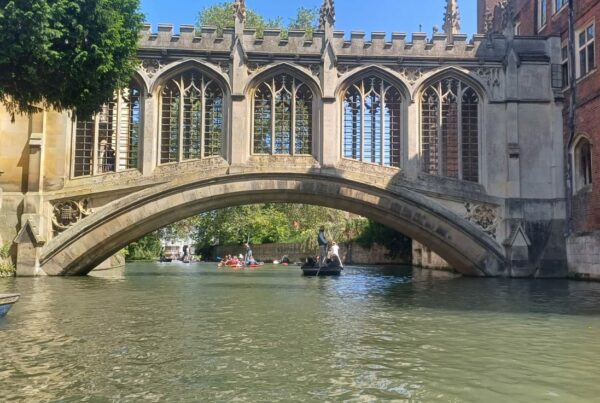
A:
[(89, 242)]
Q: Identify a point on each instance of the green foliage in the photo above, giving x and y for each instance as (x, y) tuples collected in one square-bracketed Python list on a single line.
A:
[(145, 248), (306, 19), (262, 223), (66, 54), (396, 243), (7, 269), (221, 17), (5, 250)]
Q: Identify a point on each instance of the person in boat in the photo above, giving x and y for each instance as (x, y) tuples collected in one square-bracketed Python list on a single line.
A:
[(248, 258), (335, 254), (322, 241)]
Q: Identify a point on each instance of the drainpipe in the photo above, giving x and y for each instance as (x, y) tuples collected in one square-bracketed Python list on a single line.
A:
[(571, 121)]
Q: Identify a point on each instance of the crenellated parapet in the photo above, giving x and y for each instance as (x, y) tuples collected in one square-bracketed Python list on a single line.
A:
[(354, 46)]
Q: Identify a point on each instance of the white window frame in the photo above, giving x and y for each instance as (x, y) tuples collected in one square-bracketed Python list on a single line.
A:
[(559, 5), (585, 47), (564, 59), (542, 11)]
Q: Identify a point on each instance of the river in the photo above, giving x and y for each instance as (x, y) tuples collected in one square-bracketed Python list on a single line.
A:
[(174, 332)]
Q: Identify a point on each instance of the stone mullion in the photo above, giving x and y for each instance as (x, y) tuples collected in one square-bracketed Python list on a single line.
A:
[(459, 130), (362, 121), (117, 146), (202, 117), (95, 147), (273, 116), (438, 147), (293, 112), (181, 117), (382, 124)]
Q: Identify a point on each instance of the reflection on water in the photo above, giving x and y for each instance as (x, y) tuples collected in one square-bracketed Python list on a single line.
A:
[(175, 332)]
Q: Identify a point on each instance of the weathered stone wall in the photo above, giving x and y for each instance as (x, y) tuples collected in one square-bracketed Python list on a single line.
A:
[(584, 256), (424, 257)]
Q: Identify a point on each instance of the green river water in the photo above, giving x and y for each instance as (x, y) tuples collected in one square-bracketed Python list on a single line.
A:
[(184, 333)]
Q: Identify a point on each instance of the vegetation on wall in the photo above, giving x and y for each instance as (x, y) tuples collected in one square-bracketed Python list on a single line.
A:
[(66, 54), (7, 269)]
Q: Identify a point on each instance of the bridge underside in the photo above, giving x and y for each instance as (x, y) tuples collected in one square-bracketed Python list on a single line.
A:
[(85, 245)]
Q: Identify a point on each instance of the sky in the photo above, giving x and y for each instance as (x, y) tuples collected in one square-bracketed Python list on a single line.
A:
[(351, 15)]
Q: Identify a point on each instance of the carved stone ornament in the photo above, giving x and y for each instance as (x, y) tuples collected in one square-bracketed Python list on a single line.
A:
[(411, 74), (345, 68), (68, 213), (484, 216), (488, 24), (254, 67), (222, 65), (239, 10), (508, 14), (151, 66), (489, 75), (327, 15), (315, 69)]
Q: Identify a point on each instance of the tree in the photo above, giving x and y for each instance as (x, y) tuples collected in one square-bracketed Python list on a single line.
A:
[(66, 54), (306, 19), (221, 17)]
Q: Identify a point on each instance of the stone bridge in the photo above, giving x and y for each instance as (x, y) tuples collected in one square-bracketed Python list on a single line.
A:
[(456, 143)]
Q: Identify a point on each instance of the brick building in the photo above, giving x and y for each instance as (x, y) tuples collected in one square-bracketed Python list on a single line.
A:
[(551, 18)]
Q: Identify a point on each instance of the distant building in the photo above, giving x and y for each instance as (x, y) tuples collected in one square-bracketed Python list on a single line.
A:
[(551, 18)]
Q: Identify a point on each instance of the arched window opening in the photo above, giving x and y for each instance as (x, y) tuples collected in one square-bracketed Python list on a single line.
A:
[(283, 120), (583, 164), (110, 141), (450, 130), (372, 122), (191, 125)]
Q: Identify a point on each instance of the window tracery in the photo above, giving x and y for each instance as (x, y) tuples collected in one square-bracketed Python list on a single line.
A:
[(372, 122), (191, 118), (110, 140), (450, 130), (283, 117)]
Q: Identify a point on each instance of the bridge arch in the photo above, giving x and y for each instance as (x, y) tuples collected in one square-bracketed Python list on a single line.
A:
[(86, 244)]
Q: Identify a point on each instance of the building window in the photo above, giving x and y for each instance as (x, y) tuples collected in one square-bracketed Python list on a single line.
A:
[(109, 142), (191, 118), (564, 51), (542, 13), (586, 55), (583, 164), (559, 4), (450, 130), (283, 118), (372, 122)]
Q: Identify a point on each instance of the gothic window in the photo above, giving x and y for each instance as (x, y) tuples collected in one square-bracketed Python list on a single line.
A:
[(191, 118), (372, 122), (109, 142), (583, 164), (450, 130), (283, 118)]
